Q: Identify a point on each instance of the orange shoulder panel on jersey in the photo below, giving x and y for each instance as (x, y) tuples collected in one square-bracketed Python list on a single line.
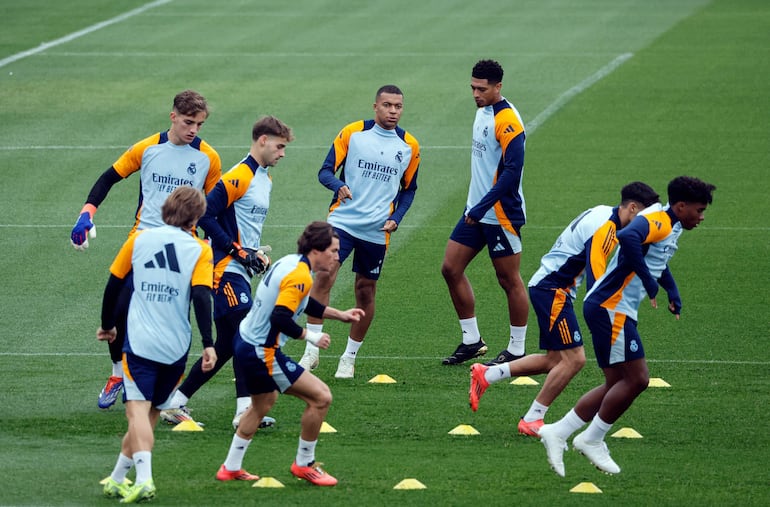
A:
[(414, 163), (507, 127), (342, 141), (203, 272), (121, 266), (131, 160), (215, 167), (294, 287), (237, 181), (603, 242), (660, 226)]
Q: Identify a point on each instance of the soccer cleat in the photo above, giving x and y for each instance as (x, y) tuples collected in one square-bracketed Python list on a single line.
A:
[(465, 352), (109, 394), (265, 423), (176, 415), (140, 492), (597, 453), (345, 368), (503, 357), (115, 489), (313, 473), (479, 384), (224, 474), (310, 360), (531, 428), (554, 448)]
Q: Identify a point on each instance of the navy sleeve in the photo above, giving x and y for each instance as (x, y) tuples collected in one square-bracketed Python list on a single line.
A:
[(201, 299), (102, 187)]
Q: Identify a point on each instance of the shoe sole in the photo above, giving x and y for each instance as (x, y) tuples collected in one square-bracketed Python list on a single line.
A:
[(599, 468), (452, 360)]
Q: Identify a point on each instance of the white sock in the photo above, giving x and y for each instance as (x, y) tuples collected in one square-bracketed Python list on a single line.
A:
[(352, 349), (597, 429), (470, 329), (497, 373), (117, 369), (241, 404), (516, 343), (536, 411), (122, 467), (305, 452), (309, 347), (143, 464), (179, 399), (568, 424), (238, 448)]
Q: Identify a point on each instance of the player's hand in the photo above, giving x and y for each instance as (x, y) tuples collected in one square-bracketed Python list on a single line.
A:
[(675, 307), (653, 302), (83, 229), (344, 193), (390, 226), (255, 260), (352, 315), (209, 359), (106, 335), (320, 340)]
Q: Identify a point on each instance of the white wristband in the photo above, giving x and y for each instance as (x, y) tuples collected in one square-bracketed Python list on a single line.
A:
[(313, 337)]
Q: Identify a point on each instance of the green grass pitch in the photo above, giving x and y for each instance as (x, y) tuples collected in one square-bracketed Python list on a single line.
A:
[(688, 94)]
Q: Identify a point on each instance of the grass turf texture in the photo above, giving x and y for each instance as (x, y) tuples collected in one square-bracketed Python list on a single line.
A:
[(692, 100)]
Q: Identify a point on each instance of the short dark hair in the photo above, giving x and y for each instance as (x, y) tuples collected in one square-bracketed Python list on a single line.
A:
[(489, 70), (689, 189), (271, 126), (183, 207), (639, 192), (190, 103), (388, 89), (317, 235)]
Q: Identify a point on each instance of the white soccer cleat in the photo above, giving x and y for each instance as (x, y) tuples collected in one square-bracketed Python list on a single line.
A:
[(554, 448), (265, 423), (346, 368), (310, 360), (597, 453)]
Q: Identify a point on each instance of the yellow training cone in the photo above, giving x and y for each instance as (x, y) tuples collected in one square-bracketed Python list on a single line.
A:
[(464, 429), (524, 381), (382, 379), (268, 482), (585, 487), (327, 428), (187, 426), (627, 433), (658, 382), (409, 484)]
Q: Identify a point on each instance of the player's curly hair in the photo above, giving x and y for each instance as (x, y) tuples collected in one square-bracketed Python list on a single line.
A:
[(489, 70), (317, 235), (689, 189)]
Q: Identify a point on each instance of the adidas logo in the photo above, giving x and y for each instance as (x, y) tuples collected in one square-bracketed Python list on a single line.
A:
[(498, 248), (234, 182), (165, 258), (510, 130), (375, 271)]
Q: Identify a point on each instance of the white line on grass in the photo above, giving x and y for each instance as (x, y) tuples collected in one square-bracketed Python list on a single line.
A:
[(565, 97), (67, 38)]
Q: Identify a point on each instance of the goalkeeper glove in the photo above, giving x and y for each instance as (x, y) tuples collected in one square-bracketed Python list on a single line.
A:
[(254, 260), (84, 228)]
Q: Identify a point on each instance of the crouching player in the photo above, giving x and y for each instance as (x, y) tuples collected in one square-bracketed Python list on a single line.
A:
[(282, 295), (170, 267)]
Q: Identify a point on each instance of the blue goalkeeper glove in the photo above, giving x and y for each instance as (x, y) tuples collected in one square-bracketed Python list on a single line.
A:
[(84, 228)]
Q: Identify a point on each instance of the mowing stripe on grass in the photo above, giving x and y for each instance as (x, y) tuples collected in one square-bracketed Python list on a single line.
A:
[(85, 31)]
